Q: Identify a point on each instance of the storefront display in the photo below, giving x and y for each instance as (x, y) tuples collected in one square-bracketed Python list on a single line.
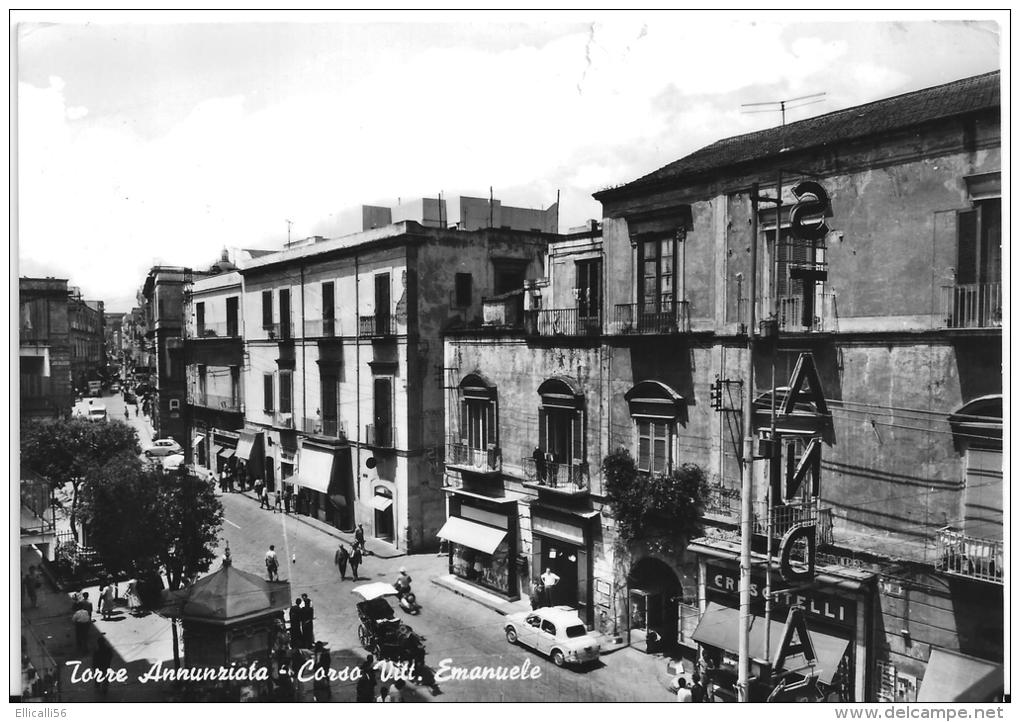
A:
[(488, 570), (482, 535)]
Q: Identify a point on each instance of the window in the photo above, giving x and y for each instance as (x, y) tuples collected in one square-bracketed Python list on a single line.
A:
[(202, 383), (478, 421), (267, 310), (657, 269), (383, 411), (654, 442), (200, 319), (286, 392), (329, 383), (533, 620), (548, 627), (328, 308), (561, 448), (232, 329), (462, 286), (979, 243), (267, 393), (235, 385), (284, 314), (587, 289)]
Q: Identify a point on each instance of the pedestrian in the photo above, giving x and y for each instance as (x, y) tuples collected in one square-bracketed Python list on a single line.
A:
[(355, 562), (295, 624), (272, 564), (82, 619), (366, 680), (263, 498), (136, 411), (340, 558), (682, 693), (230, 480), (697, 689), (320, 687), (396, 691), (102, 659), (549, 580), (107, 598), (257, 487), (287, 494), (28, 584), (384, 693), (134, 602), (537, 593), (359, 538), (307, 622), (278, 502), (127, 414)]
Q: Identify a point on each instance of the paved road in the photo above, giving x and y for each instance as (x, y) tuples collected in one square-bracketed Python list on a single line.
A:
[(455, 628), (115, 405)]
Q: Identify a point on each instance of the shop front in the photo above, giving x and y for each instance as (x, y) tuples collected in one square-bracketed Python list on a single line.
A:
[(562, 553), (251, 452), (324, 483), (223, 451), (482, 536), (834, 612)]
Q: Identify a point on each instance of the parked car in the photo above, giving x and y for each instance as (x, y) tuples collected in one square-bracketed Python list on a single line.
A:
[(163, 447), (96, 412), (555, 631)]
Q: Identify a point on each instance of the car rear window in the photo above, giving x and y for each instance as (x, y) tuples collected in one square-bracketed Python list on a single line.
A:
[(577, 630)]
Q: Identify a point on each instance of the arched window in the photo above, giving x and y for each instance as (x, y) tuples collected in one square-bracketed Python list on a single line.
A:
[(561, 421), (479, 420), (977, 432), (655, 408)]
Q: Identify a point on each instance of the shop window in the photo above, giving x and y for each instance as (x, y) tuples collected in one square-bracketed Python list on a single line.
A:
[(487, 570)]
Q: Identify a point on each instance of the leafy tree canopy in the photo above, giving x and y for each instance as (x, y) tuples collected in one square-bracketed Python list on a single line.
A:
[(66, 449), (646, 504)]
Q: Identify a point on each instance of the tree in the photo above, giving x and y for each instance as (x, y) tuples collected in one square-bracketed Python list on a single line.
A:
[(140, 518), (644, 504), (67, 450)]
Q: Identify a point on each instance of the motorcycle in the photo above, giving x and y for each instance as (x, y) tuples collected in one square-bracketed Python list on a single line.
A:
[(408, 602)]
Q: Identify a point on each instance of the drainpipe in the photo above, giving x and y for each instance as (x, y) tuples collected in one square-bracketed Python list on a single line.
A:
[(304, 391), (357, 389)]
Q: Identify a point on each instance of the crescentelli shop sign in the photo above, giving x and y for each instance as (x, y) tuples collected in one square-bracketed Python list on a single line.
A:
[(723, 584)]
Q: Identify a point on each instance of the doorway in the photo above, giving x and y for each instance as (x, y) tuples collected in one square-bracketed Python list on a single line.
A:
[(653, 596)]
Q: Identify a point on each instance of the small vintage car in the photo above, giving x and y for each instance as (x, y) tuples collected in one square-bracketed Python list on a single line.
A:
[(554, 631), (163, 447)]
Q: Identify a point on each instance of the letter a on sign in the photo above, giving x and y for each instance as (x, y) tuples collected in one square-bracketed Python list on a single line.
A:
[(805, 373), (794, 625)]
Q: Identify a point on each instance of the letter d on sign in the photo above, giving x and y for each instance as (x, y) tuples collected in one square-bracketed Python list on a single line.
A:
[(786, 546)]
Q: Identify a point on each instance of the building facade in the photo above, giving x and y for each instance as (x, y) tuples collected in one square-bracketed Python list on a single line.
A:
[(344, 365), (44, 352), (87, 337), (639, 340)]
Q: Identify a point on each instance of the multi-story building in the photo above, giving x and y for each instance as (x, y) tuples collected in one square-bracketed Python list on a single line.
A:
[(113, 326), (87, 337), (136, 348), (641, 342), (214, 357), (344, 364), (44, 349)]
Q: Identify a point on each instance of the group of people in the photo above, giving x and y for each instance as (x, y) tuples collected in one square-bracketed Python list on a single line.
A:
[(695, 692), (344, 556), (302, 623)]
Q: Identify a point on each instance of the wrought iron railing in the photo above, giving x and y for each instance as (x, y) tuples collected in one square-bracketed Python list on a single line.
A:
[(460, 453), (278, 331), (217, 329), (723, 501), (956, 553), (324, 427), (787, 516), (213, 401), (562, 322), (383, 437), (572, 476), (283, 419), (642, 318), (791, 313), (972, 305), (322, 328), (377, 325)]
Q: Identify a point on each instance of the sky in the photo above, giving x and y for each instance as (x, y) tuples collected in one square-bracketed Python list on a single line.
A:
[(142, 143)]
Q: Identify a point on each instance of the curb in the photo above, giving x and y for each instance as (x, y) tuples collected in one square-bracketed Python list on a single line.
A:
[(498, 608)]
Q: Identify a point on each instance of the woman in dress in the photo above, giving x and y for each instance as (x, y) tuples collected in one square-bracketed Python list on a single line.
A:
[(133, 601), (106, 599)]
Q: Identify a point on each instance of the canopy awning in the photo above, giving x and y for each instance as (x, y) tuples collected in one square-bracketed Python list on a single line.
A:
[(379, 503), (315, 469), (477, 536), (225, 453), (245, 445), (719, 627), (955, 677), (199, 438)]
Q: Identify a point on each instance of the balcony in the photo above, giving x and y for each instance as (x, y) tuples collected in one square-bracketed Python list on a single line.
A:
[(220, 403), (461, 456), (790, 309), (787, 516), (645, 318), (212, 330), (971, 305), (324, 427), (723, 501), (561, 322), (381, 437), (377, 326), (967, 556), (566, 479), (503, 312), (322, 328), (283, 420), (278, 331)]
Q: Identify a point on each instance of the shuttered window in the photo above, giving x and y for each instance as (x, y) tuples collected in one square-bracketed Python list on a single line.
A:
[(267, 392), (654, 446)]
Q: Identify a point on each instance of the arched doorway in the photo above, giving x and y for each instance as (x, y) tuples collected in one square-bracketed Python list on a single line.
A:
[(653, 593)]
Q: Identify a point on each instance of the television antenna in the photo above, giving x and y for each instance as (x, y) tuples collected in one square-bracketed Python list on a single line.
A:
[(782, 105), (289, 224)]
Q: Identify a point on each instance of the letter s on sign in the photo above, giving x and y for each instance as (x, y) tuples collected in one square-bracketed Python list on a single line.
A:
[(812, 200)]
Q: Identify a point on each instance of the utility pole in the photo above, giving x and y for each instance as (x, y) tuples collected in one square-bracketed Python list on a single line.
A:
[(746, 488)]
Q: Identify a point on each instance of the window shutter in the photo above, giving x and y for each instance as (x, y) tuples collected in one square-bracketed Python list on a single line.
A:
[(464, 431), (578, 435), (542, 444), (659, 453), (491, 427)]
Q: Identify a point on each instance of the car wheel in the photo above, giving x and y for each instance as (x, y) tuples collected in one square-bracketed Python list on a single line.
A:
[(511, 635), (558, 659)]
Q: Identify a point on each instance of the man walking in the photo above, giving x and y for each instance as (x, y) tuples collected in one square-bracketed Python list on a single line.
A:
[(340, 559), (28, 584), (272, 564), (355, 562), (257, 486), (277, 502), (366, 682), (286, 498), (264, 499), (359, 538), (295, 624)]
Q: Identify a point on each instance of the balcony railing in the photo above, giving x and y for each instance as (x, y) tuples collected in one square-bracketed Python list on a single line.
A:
[(376, 326), (562, 322), (968, 556), (219, 329), (324, 427), (564, 477), (723, 501), (461, 454), (283, 420), (645, 318), (322, 328), (972, 305), (786, 516), (791, 313), (213, 401), (383, 437), (278, 331)]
